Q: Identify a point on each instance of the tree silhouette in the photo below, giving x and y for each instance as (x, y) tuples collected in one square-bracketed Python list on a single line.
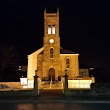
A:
[(9, 58)]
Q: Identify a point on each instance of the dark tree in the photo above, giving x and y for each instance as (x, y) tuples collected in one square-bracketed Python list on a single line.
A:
[(9, 58)]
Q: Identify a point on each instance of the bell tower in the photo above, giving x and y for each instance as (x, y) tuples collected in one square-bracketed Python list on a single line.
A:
[(51, 44), (51, 36)]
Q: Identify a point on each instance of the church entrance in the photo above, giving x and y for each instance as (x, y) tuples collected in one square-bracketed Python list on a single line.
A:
[(51, 83), (51, 74)]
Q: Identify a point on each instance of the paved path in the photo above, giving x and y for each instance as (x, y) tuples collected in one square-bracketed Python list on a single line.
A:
[(46, 95)]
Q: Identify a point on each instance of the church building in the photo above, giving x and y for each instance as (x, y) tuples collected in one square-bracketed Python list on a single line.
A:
[(52, 60)]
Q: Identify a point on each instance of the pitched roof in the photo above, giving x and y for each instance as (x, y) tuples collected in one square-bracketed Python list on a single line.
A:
[(37, 52), (63, 51)]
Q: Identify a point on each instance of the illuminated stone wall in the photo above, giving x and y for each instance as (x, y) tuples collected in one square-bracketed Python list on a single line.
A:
[(80, 84), (40, 65), (73, 71)]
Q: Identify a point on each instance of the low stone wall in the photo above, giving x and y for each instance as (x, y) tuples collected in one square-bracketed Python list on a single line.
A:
[(79, 84), (11, 85), (22, 93), (77, 92), (97, 89), (100, 88)]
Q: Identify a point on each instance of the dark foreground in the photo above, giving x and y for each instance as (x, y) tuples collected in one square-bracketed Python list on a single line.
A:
[(54, 100), (54, 96), (54, 106)]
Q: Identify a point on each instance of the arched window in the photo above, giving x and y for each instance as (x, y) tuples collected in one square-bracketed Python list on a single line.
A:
[(51, 52), (53, 29), (67, 63), (49, 29)]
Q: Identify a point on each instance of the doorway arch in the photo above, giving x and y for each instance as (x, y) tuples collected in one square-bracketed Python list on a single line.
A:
[(51, 74)]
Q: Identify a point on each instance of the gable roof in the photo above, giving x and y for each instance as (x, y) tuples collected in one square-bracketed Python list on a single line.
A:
[(63, 51), (37, 52)]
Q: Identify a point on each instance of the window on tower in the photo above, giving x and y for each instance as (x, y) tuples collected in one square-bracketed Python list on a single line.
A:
[(51, 52), (67, 63), (49, 29), (53, 29)]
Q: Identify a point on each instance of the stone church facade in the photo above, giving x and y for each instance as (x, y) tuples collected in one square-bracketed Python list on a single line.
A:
[(51, 61)]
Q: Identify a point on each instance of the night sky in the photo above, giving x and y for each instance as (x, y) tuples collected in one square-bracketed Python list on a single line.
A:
[(84, 27)]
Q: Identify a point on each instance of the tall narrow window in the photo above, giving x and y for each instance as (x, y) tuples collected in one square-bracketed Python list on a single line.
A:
[(53, 29), (49, 29), (51, 52), (67, 63)]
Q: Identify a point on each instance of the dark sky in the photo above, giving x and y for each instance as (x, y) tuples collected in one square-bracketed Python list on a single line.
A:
[(84, 27)]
